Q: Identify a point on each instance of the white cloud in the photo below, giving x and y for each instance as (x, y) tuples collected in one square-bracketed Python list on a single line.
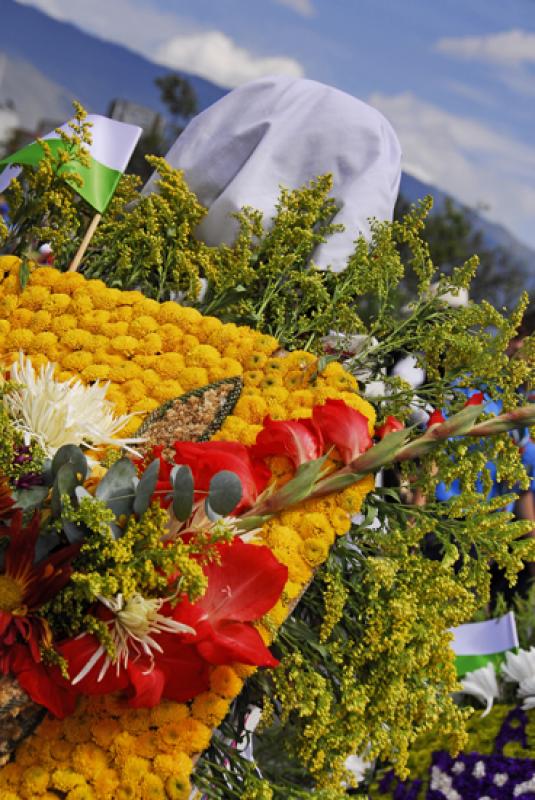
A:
[(214, 55), (508, 47), (303, 7), (466, 159)]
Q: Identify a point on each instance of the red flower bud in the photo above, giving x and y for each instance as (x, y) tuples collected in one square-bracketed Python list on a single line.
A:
[(391, 424), (476, 400), (436, 418)]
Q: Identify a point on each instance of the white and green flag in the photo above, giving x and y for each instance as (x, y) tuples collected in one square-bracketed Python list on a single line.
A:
[(477, 644), (111, 149)]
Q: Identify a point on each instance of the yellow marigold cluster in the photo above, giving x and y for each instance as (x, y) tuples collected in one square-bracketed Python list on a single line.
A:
[(151, 352)]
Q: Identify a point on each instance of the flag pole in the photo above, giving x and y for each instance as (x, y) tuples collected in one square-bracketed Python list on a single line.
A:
[(84, 244)]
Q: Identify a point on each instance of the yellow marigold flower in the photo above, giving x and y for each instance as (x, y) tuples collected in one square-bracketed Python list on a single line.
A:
[(292, 590), (190, 318), (225, 682), (203, 355), (179, 765), (189, 735), (19, 339), (147, 744), (209, 708), (316, 524), (167, 390), (104, 730), (177, 788), (232, 366), (169, 365), (45, 276), (135, 720), (57, 303), (44, 342), (11, 773), (106, 783), (217, 374), (131, 426), (76, 362), (278, 613), (124, 344), (4, 327), (22, 317), (253, 378), (276, 393), (76, 339), (152, 788), (69, 282), (76, 730), (169, 312), (146, 306), (81, 793), (302, 398), (94, 321), (10, 796), (35, 780), (135, 767), (8, 304), (115, 396), (62, 749), (95, 286), (113, 329), (126, 792), (38, 359), (41, 321), (167, 712), (96, 372), (251, 408), (123, 746), (145, 406), (243, 670), (134, 390), (255, 361), (211, 327), (34, 297), (151, 344), (315, 550), (130, 298), (281, 537), (142, 325), (107, 301), (61, 323), (276, 410), (298, 569), (66, 779), (126, 371), (189, 341), (102, 356), (340, 521), (122, 314), (172, 337), (301, 412), (193, 377), (89, 759), (81, 304)]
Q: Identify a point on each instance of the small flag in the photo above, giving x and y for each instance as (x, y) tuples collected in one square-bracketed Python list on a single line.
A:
[(113, 144), (478, 643)]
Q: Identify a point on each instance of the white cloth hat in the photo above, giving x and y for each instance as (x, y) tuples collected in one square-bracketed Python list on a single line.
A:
[(281, 131)]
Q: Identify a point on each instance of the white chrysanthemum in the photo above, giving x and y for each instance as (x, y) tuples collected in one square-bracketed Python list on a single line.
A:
[(358, 767), (135, 623), (482, 683), (519, 667), (55, 413)]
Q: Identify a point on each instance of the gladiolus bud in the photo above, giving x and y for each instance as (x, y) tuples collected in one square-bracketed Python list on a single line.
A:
[(391, 424)]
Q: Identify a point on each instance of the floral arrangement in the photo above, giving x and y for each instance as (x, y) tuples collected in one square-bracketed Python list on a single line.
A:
[(255, 536)]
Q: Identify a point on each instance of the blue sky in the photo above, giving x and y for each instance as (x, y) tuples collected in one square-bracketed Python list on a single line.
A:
[(456, 78)]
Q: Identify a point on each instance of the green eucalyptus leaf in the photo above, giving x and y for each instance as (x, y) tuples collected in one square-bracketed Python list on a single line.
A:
[(65, 482), (210, 513), (74, 533), (116, 489), (182, 483), (225, 492), (146, 486), (46, 542), (26, 499), (70, 454)]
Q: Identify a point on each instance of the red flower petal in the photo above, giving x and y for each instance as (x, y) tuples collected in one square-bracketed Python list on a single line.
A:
[(41, 683), (475, 400), (436, 418), (391, 424), (246, 583), (300, 440), (344, 427), (236, 641)]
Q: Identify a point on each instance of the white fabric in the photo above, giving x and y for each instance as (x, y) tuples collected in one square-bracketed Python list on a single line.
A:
[(281, 131), (485, 638)]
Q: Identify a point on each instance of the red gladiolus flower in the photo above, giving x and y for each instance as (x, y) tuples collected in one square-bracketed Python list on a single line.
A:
[(344, 427), (242, 587), (25, 586), (300, 440), (391, 424), (475, 400), (245, 583), (436, 418), (207, 458)]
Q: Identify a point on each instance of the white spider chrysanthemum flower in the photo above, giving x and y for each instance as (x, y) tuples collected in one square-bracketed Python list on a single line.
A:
[(54, 413), (135, 623), (519, 667), (482, 684)]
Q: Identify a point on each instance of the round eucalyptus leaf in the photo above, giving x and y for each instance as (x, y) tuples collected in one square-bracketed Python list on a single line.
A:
[(146, 486), (26, 499), (70, 454), (182, 483), (65, 482), (116, 489), (225, 492)]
